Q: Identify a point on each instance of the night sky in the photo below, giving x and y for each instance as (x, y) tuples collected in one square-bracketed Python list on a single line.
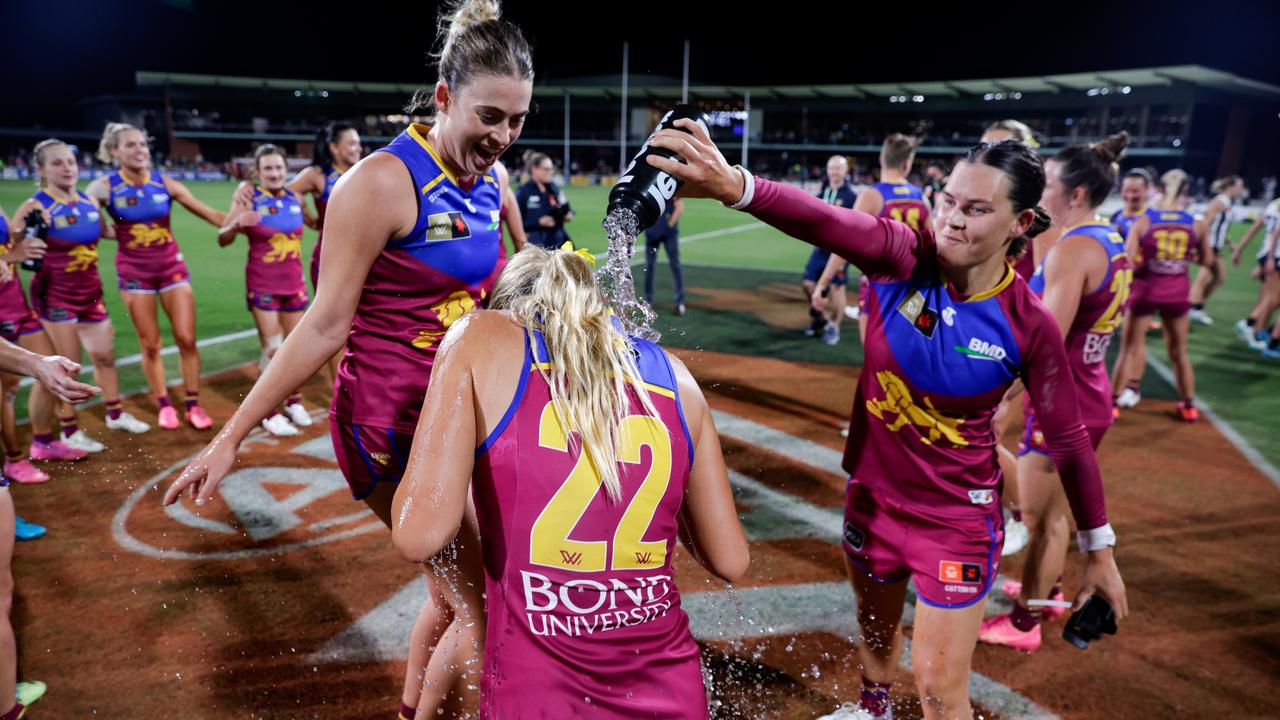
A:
[(55, 53)]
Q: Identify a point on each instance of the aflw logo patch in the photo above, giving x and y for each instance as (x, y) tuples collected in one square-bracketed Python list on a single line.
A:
[(644, 558), (447, 226), (574, 559)]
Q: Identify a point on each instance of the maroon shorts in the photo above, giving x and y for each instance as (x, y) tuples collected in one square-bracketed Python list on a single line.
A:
[(11, 330), (170, 274), (54, 310), (295, 302), (369, 455), (864, 292), (953, 562), (1167, 295), (1033, 438)]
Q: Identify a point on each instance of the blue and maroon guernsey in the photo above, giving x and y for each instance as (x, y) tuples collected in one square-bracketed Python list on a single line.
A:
[(905, 203), (1123, 221), (1097, 319), (584, 619), (275, 244), (937, 365), (417, 287), (142, 216)]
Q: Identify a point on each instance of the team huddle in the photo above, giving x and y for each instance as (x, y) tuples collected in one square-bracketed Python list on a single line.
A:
[(540, 464)]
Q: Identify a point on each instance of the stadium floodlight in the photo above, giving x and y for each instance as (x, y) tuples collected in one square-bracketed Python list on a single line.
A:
[(917, 98)]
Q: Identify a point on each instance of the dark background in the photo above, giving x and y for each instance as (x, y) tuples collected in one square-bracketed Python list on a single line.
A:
[(56, 53)]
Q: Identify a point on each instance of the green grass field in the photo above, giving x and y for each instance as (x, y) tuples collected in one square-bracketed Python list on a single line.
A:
[(1237, 382)]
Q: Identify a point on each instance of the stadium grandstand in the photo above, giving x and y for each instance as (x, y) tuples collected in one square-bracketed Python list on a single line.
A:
[(1188, 116)]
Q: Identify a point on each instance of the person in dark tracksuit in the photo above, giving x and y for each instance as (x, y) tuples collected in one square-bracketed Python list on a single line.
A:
[(543, 204), (665, 233)]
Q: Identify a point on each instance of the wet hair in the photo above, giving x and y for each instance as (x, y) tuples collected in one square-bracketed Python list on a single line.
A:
[(331, 133), (1139, 173), (1093, 166), (476, 41), (37, 155), (592, 371), (1221, 184), (1174, 184), (897, 149), (111, 140), (268, 149), (1018, 129), (1026, 183)]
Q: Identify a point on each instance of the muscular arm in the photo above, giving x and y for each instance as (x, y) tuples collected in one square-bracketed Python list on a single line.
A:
[(432, 497), (308, 182), (1047, 375), (708, 517), (354, 237), (870, 202), (183, 195), (227, 233), (1066, 277), (878, 246)]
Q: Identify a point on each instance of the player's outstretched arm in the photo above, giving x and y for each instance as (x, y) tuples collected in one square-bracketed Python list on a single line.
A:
[(432, 497), (709, 520)]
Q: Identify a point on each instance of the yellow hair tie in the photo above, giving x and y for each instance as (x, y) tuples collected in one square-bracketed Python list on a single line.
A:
[(581, 252)]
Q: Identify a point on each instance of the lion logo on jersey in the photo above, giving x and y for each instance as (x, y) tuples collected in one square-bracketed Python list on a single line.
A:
[(83, 257), (933, 424), (448, 311), (146, 235), (283, 247)]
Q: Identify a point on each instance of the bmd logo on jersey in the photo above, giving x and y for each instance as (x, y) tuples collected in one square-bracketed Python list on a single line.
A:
[(277, 500), (447, 226), (983, 350)]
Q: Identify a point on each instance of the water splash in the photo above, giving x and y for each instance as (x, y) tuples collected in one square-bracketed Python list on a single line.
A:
[(615, 277)]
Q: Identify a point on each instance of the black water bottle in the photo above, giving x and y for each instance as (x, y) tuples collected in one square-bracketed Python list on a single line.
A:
[(644, 189), (38, 229)]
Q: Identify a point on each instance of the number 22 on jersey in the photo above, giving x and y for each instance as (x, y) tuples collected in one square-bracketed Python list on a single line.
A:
[(550, 545)]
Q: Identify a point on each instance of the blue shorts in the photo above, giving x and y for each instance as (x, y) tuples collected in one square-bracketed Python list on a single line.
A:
[(818, 263)]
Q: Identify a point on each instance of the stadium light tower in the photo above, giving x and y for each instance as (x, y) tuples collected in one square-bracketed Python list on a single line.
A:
[(622, 138), (684, 88), (566, 166)]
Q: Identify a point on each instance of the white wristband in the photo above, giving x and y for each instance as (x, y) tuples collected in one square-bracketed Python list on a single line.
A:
[(1096, 539), (748, 189)]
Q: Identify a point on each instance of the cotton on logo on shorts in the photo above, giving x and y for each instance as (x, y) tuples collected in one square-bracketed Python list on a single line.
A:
[(982, 497), (855, 537)]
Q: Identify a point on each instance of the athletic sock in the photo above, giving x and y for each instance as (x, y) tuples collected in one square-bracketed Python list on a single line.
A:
[(113, 408), (1025, 619), (294, 399), (1135, 385), (1197, 306), (1250, 322), (875, 696), (1273, 343), (13, 457), (407, 712), (1188, 402), (1016, 514), (15, 713), (162, 402), (1057, 587), (193, 399), (45, 438), (69, 425)]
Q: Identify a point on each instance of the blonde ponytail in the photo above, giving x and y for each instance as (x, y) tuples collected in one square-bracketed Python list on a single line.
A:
[(591, 362), (110, 140), (1173, 183)]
